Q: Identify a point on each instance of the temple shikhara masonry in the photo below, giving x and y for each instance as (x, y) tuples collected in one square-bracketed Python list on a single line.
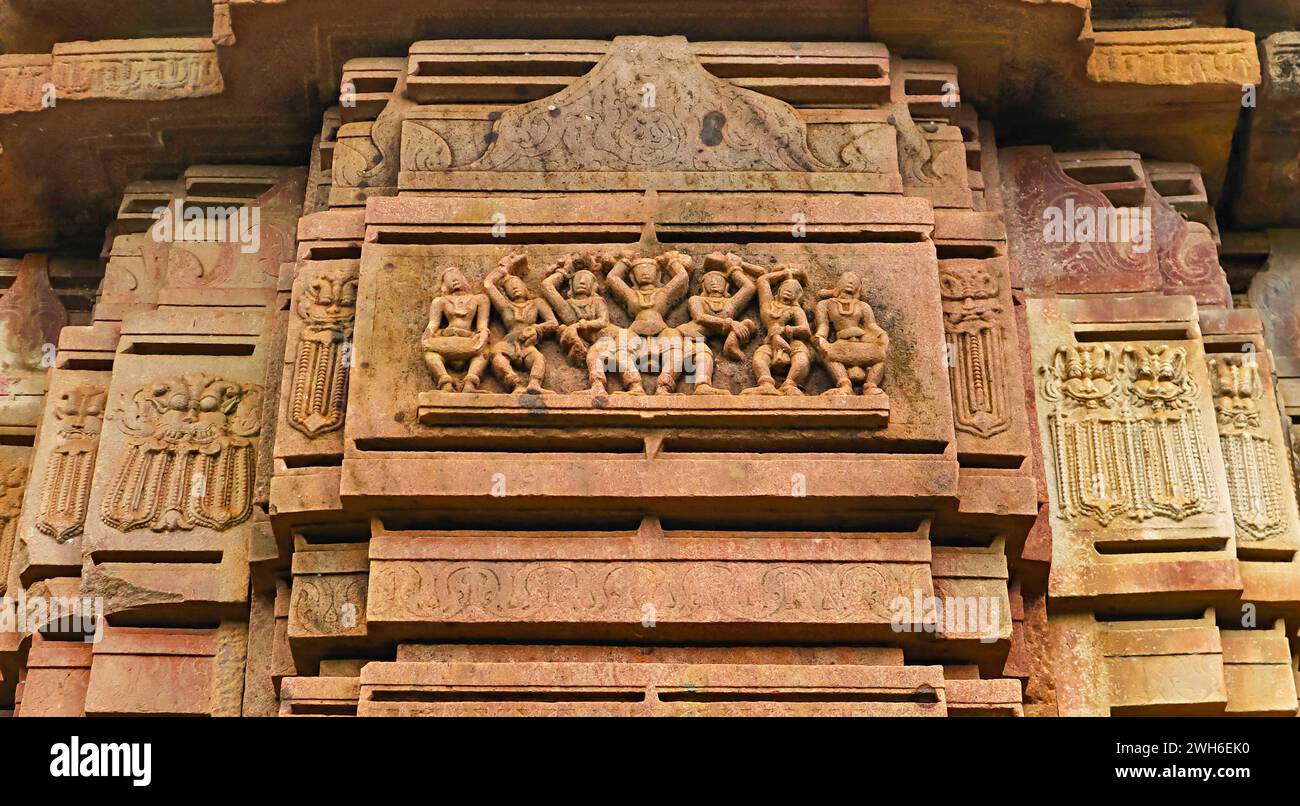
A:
[(883, 357)]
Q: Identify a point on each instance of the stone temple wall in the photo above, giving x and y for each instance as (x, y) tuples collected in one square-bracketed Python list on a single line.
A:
[(646, 375)]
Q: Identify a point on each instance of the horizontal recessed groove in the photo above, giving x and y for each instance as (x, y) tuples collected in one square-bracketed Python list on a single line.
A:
[(490, 443), (368, 84), (1174, 187), (511, 236), (593, 525), (186, 557), (20, 440), (323, 709), (928, 86), (88, 364), (1231, 347), (1122, 616), (1125, 197), (804, 68), (188, 348), (350, 251), (793, 696), (845, 441), (327, 460), (1160, 546), (845, 526), (965, 251), (1001, 462), (667, 234), (222, 189), (506, 696), (501, 65), (1101, 174), (965, 540), (1151, 334)]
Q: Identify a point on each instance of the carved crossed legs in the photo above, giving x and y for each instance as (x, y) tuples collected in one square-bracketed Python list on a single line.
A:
[(606, 355), (573, 343), (506, 355), (851, 362), (777, 353)]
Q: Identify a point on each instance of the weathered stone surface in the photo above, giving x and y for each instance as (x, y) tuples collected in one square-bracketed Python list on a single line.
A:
[(168, 672), (652, 375)]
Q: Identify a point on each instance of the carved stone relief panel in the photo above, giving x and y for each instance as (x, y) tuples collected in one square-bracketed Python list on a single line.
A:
[(168, 520), (13, 479), (649, 106), (1134, 468), (603, 585), (1251, 437), (318, 358), (713, 334), (982, 348)]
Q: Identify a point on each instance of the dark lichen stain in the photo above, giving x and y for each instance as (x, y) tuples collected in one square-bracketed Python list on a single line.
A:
[(711, 131)]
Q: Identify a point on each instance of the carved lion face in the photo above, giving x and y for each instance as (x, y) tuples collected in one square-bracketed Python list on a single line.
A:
[(332, 295), (1087, 371), (195, 409), (958, 281)]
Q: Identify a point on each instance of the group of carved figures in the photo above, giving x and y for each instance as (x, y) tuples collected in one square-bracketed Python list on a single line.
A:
[(843, 334)]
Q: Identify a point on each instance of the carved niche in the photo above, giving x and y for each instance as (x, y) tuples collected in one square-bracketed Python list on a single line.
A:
[(190, 456), (1126, 437), (319, 387), (65, 492)]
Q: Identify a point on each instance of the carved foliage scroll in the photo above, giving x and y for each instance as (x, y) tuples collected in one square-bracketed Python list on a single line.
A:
[(649, 105)]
